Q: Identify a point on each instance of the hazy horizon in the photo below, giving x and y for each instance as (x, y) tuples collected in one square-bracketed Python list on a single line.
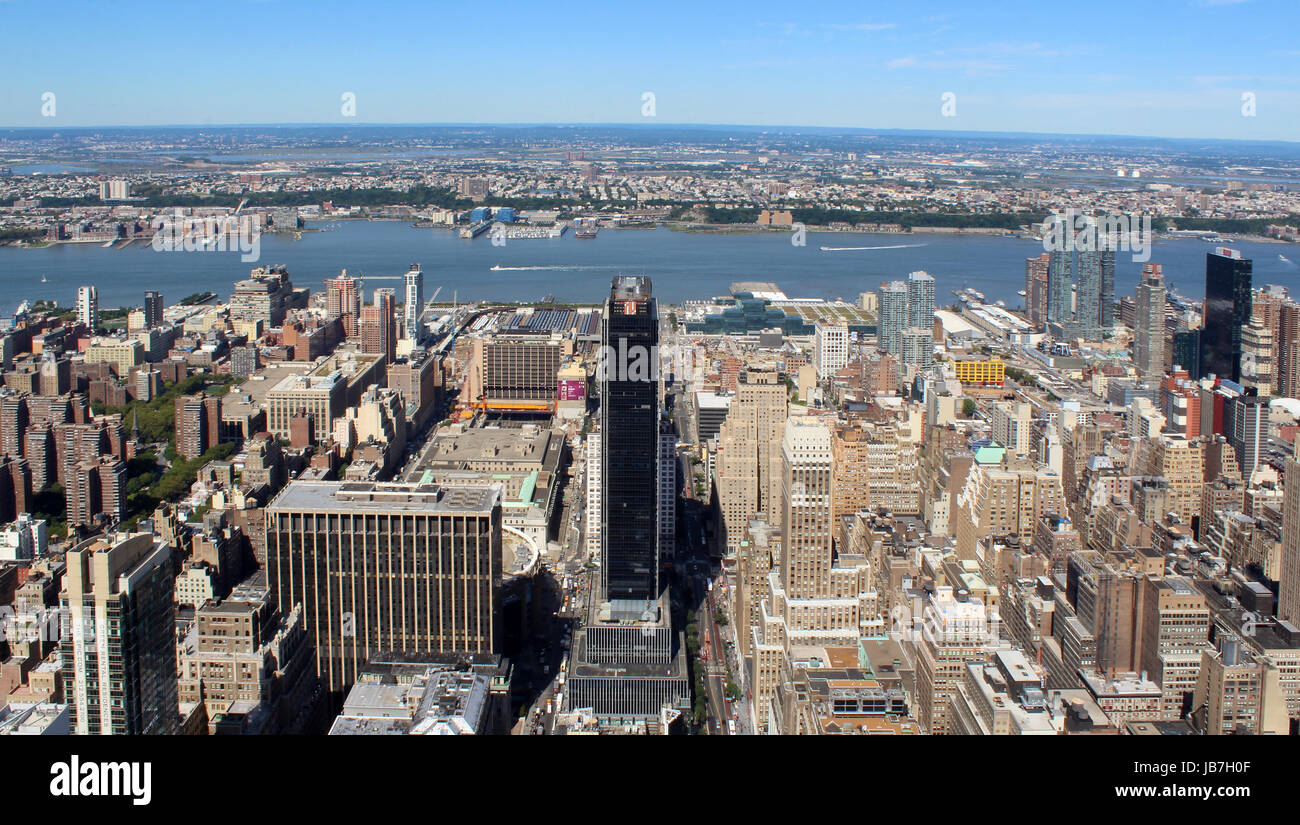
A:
[(838, 129), (1192, 69)]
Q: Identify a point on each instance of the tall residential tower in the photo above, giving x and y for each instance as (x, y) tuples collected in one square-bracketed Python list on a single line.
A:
[(1149, 323), (891, 316), (119, 657), (414, 302), (88, 306)]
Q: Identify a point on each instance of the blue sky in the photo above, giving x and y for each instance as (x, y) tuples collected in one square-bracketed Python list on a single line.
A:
[(1176, 68)]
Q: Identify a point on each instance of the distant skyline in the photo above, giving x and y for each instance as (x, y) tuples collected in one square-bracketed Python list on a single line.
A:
[(1176, 69)]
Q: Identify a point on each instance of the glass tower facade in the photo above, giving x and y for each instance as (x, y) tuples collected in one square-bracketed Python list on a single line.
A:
[(414, 302), (1087, 314), (920, 300), (891, 304), (1187, 351), (629, 438), (1060, 264), (1107, 289), (1226, 311)]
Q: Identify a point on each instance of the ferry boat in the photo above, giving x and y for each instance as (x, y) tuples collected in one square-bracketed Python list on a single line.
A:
[(585, 234)]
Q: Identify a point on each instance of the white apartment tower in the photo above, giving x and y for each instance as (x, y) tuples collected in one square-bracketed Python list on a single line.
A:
[(88, 306), (414, 305), (920, 300), (831, 349), (892, 316), (1011, 422), (115, 189)]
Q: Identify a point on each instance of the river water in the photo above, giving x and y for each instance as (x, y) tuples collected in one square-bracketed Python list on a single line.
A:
[(682, 264)]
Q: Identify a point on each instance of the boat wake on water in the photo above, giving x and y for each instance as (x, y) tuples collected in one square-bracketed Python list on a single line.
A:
[(561, 268), (862, 248)]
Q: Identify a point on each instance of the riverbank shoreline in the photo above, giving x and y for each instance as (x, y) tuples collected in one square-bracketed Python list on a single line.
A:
[(683, 265)]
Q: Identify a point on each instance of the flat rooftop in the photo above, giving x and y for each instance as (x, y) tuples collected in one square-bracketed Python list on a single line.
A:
[(759, 289), (251, 394), (230, 606), (344, 367), (353, 496), (540, 323), (526, 445), (712, 401), (630, 288)]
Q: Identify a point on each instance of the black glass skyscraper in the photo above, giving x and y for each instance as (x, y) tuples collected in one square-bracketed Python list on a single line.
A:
[(629, 440), (1226, 312), (153, 309), (628, 662), (1187, 352)]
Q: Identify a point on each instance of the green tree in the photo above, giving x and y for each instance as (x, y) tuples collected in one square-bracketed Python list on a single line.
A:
[(157, 417), (51, 504)]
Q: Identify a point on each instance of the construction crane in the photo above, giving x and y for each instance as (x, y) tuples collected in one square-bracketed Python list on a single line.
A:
[(361, 280)]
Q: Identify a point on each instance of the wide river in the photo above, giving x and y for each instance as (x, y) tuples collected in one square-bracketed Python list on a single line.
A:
[(682, 264)]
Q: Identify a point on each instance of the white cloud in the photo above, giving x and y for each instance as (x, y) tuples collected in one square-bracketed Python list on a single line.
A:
[(861, 27), (968, 66)]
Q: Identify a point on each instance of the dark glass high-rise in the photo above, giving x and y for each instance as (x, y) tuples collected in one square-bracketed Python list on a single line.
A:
[(1187, 352), (1226, 311), (629, 438), (1107, 288)]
